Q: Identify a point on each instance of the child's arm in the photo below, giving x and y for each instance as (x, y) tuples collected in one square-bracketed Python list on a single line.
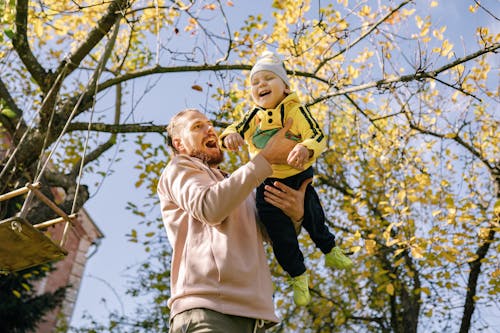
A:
[(313, 138), (299, 156), (235, 132), (233, 141)]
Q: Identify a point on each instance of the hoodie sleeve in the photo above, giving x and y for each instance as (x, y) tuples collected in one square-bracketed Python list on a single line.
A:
[(192, 187), (247, 123), (313, 137)]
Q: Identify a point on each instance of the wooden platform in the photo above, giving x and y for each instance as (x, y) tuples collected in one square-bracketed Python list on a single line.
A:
[(23, 246)]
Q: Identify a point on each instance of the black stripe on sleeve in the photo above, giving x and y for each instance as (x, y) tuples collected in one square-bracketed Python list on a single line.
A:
[(244, 124), (313, 124)]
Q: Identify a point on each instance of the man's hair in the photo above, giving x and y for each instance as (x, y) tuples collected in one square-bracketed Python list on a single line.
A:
[(173, 127)]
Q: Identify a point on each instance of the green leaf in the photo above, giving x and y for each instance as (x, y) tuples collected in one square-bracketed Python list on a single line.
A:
[(9, 33), (8, 113)]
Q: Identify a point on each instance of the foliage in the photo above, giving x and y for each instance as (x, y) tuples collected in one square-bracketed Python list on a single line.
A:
[(410, 179), (21, 308)]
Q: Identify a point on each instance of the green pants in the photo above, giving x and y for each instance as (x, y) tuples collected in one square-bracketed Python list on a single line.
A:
[(209, 321)]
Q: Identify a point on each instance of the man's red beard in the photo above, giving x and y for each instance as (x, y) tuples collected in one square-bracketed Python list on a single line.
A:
[(211, 159)]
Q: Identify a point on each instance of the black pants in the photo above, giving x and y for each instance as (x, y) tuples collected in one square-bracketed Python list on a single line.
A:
[(281, 230)]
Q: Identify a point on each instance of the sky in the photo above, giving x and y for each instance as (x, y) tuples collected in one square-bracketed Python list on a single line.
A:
[(106, 271)]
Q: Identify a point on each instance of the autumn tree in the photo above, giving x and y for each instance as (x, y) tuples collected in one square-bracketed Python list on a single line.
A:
[(410, 179)]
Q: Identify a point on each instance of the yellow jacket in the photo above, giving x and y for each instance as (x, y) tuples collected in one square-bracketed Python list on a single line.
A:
[(305, 127)]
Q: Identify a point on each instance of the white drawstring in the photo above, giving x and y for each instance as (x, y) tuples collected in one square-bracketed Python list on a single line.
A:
[(259, 323)]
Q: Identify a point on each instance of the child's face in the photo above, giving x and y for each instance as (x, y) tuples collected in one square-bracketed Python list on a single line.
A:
[(268, 89)]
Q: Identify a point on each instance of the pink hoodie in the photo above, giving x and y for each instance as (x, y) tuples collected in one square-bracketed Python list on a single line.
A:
[(218, 259)]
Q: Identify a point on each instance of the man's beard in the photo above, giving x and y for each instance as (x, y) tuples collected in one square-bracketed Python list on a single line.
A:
[(212, 159)]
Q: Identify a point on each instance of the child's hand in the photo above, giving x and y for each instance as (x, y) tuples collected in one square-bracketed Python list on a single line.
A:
[(233, 141), (298, 156)]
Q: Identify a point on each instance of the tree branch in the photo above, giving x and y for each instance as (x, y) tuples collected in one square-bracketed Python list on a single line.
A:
[(114, 11), (362, 36), (174, 69), (117, 128), (419, 75), (21, 45), (92, 156), (475, 271), (455, 138)]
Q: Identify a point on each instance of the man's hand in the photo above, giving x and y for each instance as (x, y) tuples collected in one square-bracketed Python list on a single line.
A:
[(278, 147), (290, 201)]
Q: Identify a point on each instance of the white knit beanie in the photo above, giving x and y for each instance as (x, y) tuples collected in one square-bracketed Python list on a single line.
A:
[(270, 62)]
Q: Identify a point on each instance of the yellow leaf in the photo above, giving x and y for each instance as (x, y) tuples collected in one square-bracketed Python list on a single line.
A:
[(390, 289), (425, 290), (416, 252), (357, 235), (434, 4), (355, 249), (472, 258), (399, 262), (398, 252), (420, 22), (436, 212), (484, 232), (196, 87), (352, 72), (496, 208), (370, 245), (365, 11), (449, 257), (438, 33), (446, 48), (401, 195), (210, 6)]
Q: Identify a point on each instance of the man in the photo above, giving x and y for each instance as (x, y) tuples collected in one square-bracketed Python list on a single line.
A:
[(220, 280)]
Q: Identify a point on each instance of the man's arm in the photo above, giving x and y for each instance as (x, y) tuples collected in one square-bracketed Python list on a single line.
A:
[(210, 201)]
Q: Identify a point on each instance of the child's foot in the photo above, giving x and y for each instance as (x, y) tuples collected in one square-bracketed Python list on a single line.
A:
[(337, 259), (300, 285)]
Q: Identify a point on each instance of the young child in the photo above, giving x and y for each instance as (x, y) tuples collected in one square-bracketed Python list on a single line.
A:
[(275, 103)]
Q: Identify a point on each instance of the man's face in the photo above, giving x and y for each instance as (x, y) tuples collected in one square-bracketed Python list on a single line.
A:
[(196, 137)]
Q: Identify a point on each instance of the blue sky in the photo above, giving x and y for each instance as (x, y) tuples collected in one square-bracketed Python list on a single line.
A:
[(106, 272)]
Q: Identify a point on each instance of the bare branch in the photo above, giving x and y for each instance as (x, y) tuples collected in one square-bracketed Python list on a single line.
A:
[(486, 10), (362, 36), (21, 45), (455, 138), (117, 128)]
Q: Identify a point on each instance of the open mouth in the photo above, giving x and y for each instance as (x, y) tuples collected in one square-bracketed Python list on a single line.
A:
[(211, 143), (264, 93)]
